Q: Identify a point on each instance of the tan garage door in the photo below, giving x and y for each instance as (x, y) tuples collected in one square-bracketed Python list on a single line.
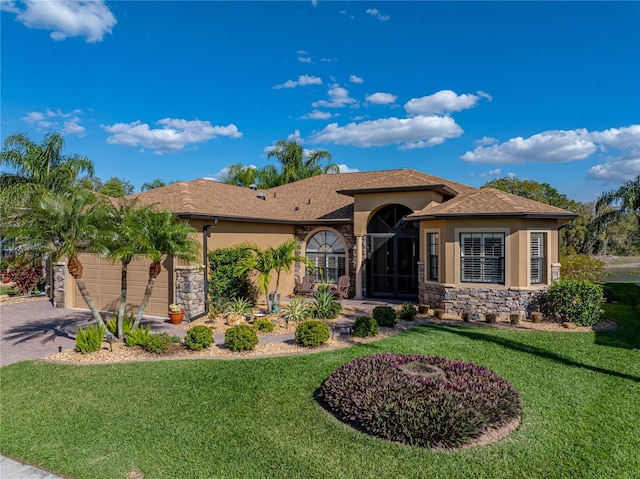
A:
[(103, 282)]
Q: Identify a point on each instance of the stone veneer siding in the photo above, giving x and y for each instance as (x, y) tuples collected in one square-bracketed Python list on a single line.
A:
[(456, 300), (56, 283), (346, 230), (190, 291)]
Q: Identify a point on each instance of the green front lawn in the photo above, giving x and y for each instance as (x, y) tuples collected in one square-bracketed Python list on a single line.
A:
[(257, 418)]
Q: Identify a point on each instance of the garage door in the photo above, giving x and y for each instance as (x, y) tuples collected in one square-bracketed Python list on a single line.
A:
[(103, 282)]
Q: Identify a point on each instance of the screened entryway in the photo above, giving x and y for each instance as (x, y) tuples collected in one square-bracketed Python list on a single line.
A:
[(326, 251), (392, 256)]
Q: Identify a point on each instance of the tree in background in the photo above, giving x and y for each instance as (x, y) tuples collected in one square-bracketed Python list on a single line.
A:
[(116, 187), (157, 183), (615, 204)]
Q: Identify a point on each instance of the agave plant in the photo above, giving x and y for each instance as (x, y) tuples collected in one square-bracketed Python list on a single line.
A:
[(296, 310), (239, 306), (325, 305)]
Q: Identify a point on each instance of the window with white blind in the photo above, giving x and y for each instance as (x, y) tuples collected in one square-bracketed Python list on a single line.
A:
[(327, 254), (482, 257), (537, 246), (433, 248)]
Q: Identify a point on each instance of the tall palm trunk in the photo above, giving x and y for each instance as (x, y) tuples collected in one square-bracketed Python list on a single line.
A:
[(75, 270), (123, 297), (154, 271)]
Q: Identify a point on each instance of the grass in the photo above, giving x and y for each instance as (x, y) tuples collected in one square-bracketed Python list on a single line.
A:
[(258, 418), (4, 290)]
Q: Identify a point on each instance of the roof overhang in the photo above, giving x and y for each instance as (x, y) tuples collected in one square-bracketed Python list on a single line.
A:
[(441, 188), (250, 219), (443, 216)]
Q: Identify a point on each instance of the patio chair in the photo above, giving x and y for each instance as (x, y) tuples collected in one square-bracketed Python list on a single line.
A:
[(307, 286), (342, 288)]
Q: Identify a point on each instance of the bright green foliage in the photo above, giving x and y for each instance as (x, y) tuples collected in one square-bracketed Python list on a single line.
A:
[(224, 281), (240, 306), (324, 305), (385, 316), (364, 327), (137, 336), (576, 301), (312, 333), (241, 338), (408, 312), (263, 324), (199, 337), (158, 343), (89, 339), (582, 266), (127, 324), (116, 187), (296, 310)]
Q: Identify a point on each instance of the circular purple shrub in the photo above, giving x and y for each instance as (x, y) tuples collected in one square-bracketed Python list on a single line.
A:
[(387, 395)]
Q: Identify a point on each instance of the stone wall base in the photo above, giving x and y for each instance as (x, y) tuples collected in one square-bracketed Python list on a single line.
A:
[(190, 292)]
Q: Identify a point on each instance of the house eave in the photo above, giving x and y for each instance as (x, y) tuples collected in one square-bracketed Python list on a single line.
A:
[(493, 215), (440, 188)]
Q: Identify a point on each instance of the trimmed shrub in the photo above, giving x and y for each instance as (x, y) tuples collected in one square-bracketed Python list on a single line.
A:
[(408, 312), (583, 267), (575, 301), (385, 316), (312, 333), (423, 308), (514, 318), (199, 337), (364, 327), (425, 401), (137, 336), (224, 282), (157, 343), (490, 317), (324, 305), (536, 317), (263, 324), (241, 338), (89, 339), (438, 313), (466, 316)]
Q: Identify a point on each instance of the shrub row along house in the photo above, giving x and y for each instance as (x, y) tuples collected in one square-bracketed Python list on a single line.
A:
[(398, 234)]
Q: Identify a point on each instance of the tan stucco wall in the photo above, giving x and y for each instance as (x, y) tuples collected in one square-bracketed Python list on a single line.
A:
[(517, 255)]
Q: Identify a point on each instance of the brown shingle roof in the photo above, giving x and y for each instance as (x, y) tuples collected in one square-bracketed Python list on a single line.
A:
[(490, 202)]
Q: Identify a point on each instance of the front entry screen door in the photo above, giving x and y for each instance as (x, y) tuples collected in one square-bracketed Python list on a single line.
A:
[(393, 266)]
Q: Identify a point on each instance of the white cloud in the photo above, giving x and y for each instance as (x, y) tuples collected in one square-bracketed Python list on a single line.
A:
[(338, 98), (374, 12), (304, 59), (51, 120), (409, 133), (346, 169), (556, 146), (328, 60), (303, 80), (67, 18), (616, 171), (355, 79), (173, 135), (444, 101), (381, 98), (495, 172), (314, 3), (317, 115)]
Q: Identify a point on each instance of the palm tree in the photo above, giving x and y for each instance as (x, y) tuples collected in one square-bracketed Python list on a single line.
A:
[(157, 183), (164, 236), (240, 175), (613, 205), (260, 261), (296, 164), (38, 167), (283, 257), (61, 224)]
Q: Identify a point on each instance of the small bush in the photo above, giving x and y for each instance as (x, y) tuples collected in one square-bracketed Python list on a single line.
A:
[(157, 343), (199, 337), (423, 308), (536, 317), (241, 338), (89, 339), (364, 327), (137, 336), (26, 273), (385, 316), (575, 301), (514, 318), (438, 313), (490, 317), (466, 316), (583, 267), (127, 324), (224, 282), (408, 312), (263, 324), (324, 305), (312, 333)]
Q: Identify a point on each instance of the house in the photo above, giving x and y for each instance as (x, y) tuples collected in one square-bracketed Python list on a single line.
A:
[(398, 234)]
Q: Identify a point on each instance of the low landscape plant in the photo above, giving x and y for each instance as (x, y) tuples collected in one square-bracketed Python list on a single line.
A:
[(158, 343), (296, 310), (387, 395), (385, 316), (127, 324), (574, 300), (408, 312), (199, 337), (26, 274), (89, 339), (137, 336), (364, 327), (240, 306), (264, 325), (241, 338), (324, 305), (312, 333)]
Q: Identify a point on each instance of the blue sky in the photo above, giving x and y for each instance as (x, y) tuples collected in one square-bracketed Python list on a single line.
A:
[(548, 91)]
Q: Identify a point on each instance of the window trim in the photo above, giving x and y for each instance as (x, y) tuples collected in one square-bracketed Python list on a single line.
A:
[(458, 256)]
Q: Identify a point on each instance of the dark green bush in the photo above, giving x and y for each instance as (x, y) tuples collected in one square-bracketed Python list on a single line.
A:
[(241, 338), (324, 305), (89, 339), (312, 333), (224, 282), (364, 327), (385, 316), (582, 266), (426, 401), (137, 336), (157, 343), (408, 312), (576, 301), (263, 324), (127, 324), (199, 337)]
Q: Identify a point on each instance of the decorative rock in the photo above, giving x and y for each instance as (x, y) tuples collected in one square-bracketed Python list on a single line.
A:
[(569, 325)]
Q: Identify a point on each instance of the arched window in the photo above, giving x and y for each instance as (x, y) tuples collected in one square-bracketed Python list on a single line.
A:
[(326, 252)]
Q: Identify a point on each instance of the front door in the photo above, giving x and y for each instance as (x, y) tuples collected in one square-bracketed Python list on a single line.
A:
[(393, 266)]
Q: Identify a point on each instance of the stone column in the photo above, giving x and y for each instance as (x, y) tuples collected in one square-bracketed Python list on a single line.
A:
[(190, 293), (555, 271), (359, 260), (58, 286)]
